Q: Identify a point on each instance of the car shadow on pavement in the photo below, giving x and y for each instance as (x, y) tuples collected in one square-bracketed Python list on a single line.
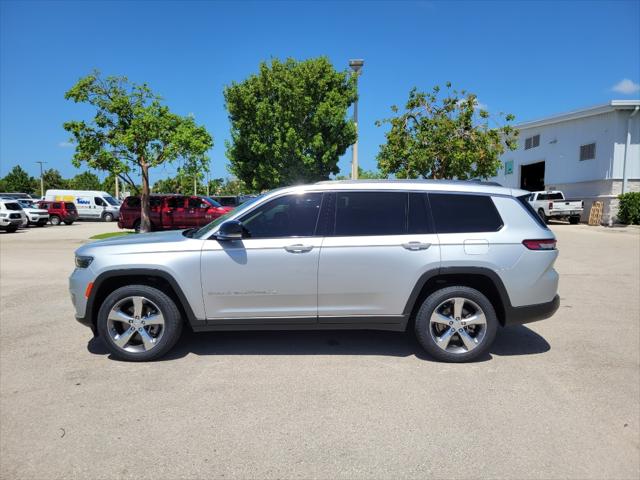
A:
[(516, 340)]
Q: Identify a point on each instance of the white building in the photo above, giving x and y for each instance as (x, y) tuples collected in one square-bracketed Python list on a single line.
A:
[(591, 154)]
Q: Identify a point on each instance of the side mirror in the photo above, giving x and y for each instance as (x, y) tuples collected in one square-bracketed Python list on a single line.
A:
[(230, 230)]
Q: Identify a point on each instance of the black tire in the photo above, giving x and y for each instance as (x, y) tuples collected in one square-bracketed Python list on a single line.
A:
[(542, 216), (41, 223), (136, 226), (107, 217), (55, 220), (69, 223), (423, 324), (172, 322), (574, 220), (12, 229)]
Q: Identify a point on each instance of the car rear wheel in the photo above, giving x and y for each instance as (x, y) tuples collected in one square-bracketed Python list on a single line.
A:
[(70, 222), (136, 226), (55, 220), (12, 229), (139, 323), (456, 324), (107, 217), (574, 220)]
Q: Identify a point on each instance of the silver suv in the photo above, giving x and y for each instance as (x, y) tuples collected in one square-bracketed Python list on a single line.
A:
[(452, 260)]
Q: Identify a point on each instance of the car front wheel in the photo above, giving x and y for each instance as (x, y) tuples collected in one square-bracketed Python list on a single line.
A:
[(456, 324), (107, 217), (139, 323), (55, 220)]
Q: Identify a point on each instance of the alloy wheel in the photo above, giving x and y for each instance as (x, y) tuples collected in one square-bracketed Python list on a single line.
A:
[(458, 325), (135, 324)]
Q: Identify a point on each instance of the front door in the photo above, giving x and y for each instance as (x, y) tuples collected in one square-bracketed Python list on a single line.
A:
[(272, 273), (381, 245)]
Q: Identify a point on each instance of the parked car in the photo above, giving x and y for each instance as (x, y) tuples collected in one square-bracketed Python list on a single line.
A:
[(232, 200), (16, 196), (169, 212), (11, 215), (552, 204), (90, 204), (455, 259), (35, 215), (59, 211)]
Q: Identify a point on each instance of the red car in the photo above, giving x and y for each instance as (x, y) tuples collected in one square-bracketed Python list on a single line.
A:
[(170, 212), (59, 211)]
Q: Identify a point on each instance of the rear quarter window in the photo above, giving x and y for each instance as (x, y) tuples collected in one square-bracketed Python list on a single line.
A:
[(523, 200), (460, 213)]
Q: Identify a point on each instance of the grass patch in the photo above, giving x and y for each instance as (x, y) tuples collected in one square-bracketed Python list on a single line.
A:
[(102, 236)]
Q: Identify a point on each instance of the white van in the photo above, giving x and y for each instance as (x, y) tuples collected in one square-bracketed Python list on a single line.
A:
[(91, 204)]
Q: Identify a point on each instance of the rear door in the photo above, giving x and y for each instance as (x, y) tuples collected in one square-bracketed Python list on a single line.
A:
[(380, 245), (173, 215)]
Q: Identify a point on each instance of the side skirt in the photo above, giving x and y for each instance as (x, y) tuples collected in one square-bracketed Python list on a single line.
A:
[(388, 323)]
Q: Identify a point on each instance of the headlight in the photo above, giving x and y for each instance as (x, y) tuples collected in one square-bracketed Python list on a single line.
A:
[(3, 214), (83, 262)]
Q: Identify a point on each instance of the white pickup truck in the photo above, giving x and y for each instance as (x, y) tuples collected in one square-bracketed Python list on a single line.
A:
[(552, 204)]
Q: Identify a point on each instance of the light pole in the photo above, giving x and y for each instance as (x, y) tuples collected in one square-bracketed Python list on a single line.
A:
[(41, 179), (356, 66)]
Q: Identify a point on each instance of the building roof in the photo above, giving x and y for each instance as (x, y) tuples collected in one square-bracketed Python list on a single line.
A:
[(584, 112)]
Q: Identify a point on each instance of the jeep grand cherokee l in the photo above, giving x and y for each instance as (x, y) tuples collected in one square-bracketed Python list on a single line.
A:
[(453, 260)]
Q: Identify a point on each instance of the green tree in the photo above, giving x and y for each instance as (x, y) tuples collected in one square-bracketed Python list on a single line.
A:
[(85, 181), (53, 179), (17, 180), (167, 185), (288, 122), (132, 130), (364, 175), (444, 137)]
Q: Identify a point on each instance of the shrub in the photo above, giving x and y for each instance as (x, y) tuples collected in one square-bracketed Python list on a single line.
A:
[(629, 211)]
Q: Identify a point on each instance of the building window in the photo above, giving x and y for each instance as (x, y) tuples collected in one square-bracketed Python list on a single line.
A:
[(588, 152), (532, 142)]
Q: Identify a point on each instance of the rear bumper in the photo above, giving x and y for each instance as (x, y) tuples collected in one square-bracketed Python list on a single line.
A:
[(531, 313)]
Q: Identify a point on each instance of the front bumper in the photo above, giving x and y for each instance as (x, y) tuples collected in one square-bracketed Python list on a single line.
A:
[(78, 282), (531, 313)]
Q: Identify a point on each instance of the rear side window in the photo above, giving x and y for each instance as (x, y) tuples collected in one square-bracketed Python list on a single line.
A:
[(175, 202), (464, 213), (57, 205), (419, 216), (371, 213), (133, 202), (527, 206)]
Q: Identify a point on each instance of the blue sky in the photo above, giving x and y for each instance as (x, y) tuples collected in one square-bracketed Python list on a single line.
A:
[(527, 58)]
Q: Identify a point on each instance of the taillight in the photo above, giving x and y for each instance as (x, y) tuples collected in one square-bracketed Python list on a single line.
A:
[(546, 244), (550, 205)]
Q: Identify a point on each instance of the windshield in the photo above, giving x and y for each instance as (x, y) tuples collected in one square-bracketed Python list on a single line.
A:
[(213, 202), (26, 204), (12, 206), (111, 201), (204, 231)]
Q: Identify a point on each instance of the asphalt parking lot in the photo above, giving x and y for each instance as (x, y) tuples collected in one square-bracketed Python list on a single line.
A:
[(558, 398)]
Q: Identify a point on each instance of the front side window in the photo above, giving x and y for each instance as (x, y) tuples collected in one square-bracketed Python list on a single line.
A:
[(371, 213), (286, 216), (175, 202), (99, 202), (457, 213)]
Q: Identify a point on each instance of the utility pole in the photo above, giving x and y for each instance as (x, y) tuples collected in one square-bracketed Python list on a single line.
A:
[(41, 179), (356, 66), (117, 188)]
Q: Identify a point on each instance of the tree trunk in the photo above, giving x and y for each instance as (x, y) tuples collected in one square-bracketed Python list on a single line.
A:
[(145, 222)]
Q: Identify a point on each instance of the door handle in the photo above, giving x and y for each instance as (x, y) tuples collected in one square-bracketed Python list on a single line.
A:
[(298, 248), (416, 245)]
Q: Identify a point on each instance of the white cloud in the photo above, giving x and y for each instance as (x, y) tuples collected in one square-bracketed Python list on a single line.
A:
[(65, 145), (626, 86)]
